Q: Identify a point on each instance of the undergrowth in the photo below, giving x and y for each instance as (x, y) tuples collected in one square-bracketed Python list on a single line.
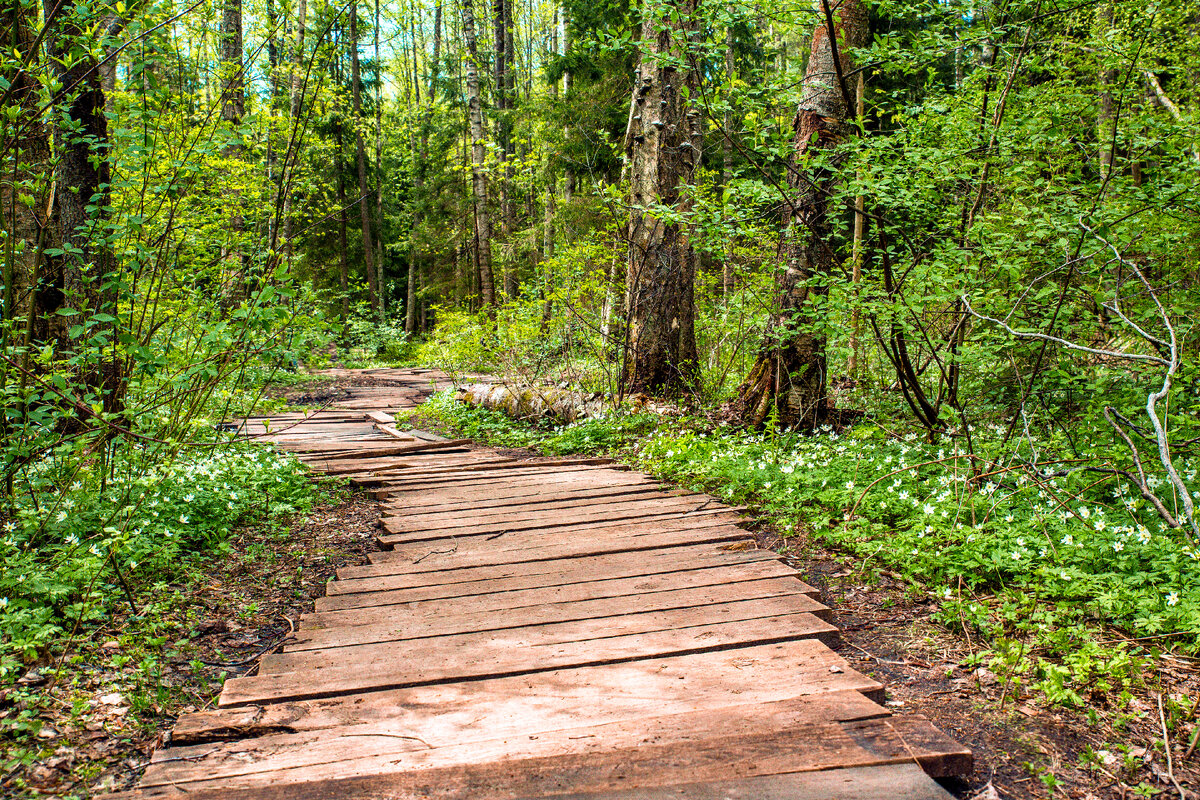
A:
[(1066, 582)]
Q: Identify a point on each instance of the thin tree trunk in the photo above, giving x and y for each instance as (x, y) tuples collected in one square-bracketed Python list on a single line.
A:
[(380, 267), (663, 148), (1106, 115), (294, 102), (789, 375), (502, 78), (727, 275), (233, 110), (364, 207), (479, 183), (856, 253), (343, 222)]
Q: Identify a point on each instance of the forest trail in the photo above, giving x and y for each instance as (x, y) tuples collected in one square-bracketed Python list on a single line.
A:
[(543, 627)]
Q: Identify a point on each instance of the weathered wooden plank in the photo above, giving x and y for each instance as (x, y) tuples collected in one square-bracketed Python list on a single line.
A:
[(754, 740), (338, 750), (613, 505), (630, 523), (564, 698), (538, 495), (508, 657), (532, 574), (454, 636), (590, 619), (397, 489), (907, 781), (574, 586), (493, 472), (454, 554)]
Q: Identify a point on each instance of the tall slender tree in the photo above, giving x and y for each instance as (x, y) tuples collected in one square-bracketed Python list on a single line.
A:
[(374, 284), (479, 181), (663, 149)]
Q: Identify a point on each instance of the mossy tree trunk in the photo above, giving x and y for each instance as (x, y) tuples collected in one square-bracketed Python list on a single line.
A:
[(788, 379), (663, 146)]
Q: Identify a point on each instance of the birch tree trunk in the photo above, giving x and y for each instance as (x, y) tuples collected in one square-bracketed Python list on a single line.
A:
[(479, 183), (789, 374), (663, 149)]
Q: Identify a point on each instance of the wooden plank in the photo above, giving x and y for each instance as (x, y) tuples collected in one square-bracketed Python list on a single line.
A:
[(564, 512), (548, 530), (381, 417), (501, 659), (535, 496), (458, 555), (396, 433), (705, 745), (450, 636), (563, 698), (514, 467), (907, 781), (578, 585), (339, 749), (590, 619), (613, 505), (509, 485), (536, 574)]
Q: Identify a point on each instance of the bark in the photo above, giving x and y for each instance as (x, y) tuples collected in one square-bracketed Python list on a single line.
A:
[(343, 223), (82, 196), (364, 207), (568, 80), (479, 182), (1106, 114), (27, 146), (503, 77), (233, 110), (856, 253), (788, 377), (727, 275), (379, 262), (663, 149)]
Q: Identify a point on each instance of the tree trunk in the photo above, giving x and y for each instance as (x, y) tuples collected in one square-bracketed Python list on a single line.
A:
[(856, 252), (1106, 115), (364, 207), (233, 110), (727, 276), (503, 80), (663, 148), (479, 184), (83, 180), (343, 222), (296, 93), (788, 378), (380, 266)]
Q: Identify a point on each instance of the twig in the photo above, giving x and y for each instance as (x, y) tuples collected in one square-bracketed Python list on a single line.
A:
[(437, 553), (188, 758), (1162, 718), (393, 736)]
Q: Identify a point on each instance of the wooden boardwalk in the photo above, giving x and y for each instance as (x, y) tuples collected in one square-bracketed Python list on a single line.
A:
[(560, 628)]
